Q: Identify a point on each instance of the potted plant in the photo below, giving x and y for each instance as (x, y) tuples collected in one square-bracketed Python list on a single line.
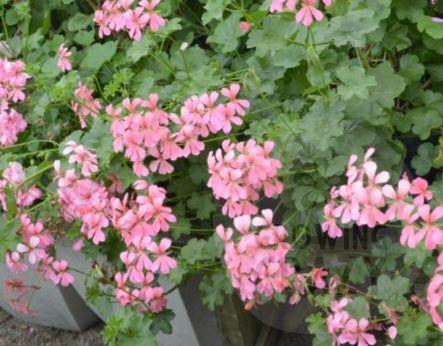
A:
[(179, 145)]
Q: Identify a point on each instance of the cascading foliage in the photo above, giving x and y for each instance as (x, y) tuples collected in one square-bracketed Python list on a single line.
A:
[(169, 138)]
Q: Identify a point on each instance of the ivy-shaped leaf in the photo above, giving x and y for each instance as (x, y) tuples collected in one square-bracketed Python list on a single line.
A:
[(355, 82), (226, 33), (424, 160)]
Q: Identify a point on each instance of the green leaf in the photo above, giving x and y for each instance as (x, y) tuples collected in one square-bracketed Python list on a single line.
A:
[(272, 36), (409, 9), (162, 322), (359, 271), (389, 85), (127, 327), (193, 251), (50, 69), (289, 57), (410, 68), (84, 38), (8, 235), (358, 308), (356, 82), (435, 30), (424, 121), (352, 27), (79, 21), (401, 122), (214, 288), (412, 329), (214, 10), (424, 160), (99, 139), (317, 327), (98, 54), (226, 34), (391, 291), (203, 204), (140, 48), (322, 125), (176, 275), (386, 253), (416, 256)]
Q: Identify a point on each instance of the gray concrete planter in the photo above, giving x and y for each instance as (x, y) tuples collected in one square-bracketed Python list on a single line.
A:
[(55, 306)]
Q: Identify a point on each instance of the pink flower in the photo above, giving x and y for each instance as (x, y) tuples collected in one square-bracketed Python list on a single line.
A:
[(397, 208), (330, 225), (33, 249), (239, 171), (282, 5), (408, 232), (82, 156), (355, 333), (392, 332), (11, 124), (64, 60), (121, 15), (155, 21), (14, 174), (430, 231), (238, 104), (62, 276), (245, 26), (162, 260), (256, 259), (317, 275), (27, 198), (308, 13), (435, 290), (13, 261), (224, 235), (85, 104), (15, 285), (157, 299), (372, 200), (419, 187), (136, 21)]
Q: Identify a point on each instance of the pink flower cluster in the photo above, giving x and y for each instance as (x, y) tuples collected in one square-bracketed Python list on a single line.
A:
[(35, 245), (81, 156), (121, 15), (139, 222), (14, 178), (368, 200), (83, 199), (64, 59), (12, 83), (239, 171), (307, 11), (256, 258), (141, 128), (85, 104), (346, 329)]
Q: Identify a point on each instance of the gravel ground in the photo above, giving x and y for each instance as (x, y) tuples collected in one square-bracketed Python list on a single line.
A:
[(17, 333)]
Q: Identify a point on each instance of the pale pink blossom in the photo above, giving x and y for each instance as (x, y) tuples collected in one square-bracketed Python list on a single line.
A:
[(419, 188), (245, 26), (64, 59), (61, 273), (85, 104), (14, 174), (355, 332)]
